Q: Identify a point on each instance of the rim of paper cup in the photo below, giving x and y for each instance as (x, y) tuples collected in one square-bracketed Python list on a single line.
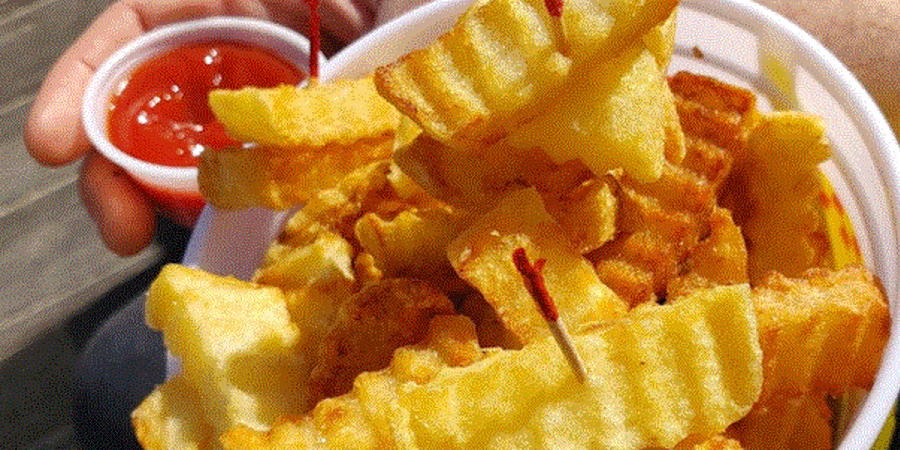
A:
[(100, 88), (881, 145)]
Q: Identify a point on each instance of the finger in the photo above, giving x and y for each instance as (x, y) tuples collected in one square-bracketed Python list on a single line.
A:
[(53, 133), (346, 20), (123, 214)]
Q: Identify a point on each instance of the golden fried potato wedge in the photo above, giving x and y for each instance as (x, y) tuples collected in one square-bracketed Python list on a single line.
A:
[(786, 424), (482, 255), (609, 115), (242, 177), (773, 193), (228, 333), (367, 329), (822, 332), (168, 419), (314, 116), (703, 351), (503, 60), (313, 310), (413, 243)]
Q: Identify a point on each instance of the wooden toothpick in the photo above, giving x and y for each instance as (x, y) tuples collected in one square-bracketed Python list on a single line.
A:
[(534, 282)]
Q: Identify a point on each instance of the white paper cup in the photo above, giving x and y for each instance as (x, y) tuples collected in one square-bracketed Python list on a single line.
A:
[(174, 190), (743, 44)]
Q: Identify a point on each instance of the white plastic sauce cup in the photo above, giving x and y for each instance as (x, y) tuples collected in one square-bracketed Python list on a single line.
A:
[(174, 190)]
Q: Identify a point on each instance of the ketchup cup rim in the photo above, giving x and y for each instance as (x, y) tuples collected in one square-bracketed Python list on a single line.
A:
[(109, 77)]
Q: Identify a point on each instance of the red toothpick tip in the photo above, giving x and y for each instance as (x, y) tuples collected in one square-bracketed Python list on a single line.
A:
[(534, 282), (554, 7)]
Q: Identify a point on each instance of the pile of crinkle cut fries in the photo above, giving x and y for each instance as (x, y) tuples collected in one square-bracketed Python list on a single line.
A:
[(680, 232)]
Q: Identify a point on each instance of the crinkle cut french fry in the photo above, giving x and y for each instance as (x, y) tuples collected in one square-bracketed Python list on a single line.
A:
[(503, 61), (608, 115), (785, 424), (226, 332), (656, 377), (773, 194), (237, 178), (661, 223), (305, 140), (482, 255), (716, 119), (168, 418), (822, 332), (313, 116)]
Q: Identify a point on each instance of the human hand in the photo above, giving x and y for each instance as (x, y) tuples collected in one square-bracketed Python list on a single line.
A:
[(55, 136)]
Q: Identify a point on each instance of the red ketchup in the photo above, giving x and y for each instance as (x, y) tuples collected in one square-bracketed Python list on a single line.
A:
[(162, 115)]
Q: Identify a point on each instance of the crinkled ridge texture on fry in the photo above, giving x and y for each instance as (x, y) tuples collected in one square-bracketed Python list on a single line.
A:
[(505, 60), (656, 377), (481, 256), (822, 332), (226, 332)]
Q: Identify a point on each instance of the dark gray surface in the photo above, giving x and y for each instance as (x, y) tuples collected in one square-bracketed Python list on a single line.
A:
[(82, 378), (118, 367)]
